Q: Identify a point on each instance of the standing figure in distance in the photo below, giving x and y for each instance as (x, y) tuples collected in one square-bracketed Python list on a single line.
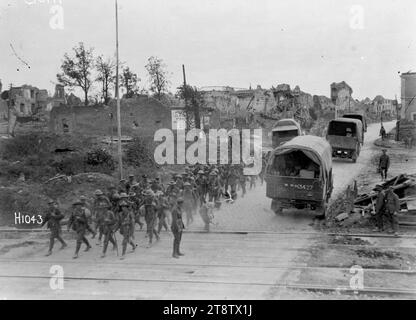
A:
[(177, 228)]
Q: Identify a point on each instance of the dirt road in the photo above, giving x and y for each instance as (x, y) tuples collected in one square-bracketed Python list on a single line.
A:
[(252, 254)]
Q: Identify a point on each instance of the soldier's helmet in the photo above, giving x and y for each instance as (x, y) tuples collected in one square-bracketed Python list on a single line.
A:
[(201, 172), (186, 184), (99, 192), (123, 195), (180, 200), (131, 176), (212, 173), (77, 202), (123, 204)]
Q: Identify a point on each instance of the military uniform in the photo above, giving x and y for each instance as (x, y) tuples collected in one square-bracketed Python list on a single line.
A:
[(387, 206), (126, 225), (163, 208), (101, 205), (177, 228), (109, 223), (150, 215), (53, 220), (79, 223), (384, 165), (189, 203)]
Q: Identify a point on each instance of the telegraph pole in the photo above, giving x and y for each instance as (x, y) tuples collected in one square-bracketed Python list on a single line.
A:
[(120, 156), (186, 98)]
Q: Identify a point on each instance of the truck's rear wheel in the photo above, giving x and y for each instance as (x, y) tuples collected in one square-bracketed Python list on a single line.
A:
[(276, 208), (323, 210)]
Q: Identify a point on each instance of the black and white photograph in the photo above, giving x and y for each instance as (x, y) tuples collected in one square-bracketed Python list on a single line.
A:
[(230, 151)]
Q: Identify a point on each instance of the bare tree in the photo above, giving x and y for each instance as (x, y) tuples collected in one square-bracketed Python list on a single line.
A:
[(106, 69), (76, 69), (158, 76)]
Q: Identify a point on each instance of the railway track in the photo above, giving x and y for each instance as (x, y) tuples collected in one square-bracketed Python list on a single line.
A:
[(294, 286), (235, 232)]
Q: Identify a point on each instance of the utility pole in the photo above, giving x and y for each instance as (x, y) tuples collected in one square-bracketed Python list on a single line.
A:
[(186, 98), (120, 156), (9, 112)]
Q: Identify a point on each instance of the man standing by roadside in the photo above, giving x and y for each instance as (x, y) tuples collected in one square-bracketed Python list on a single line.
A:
[(383, 132), (177, 228), (53, 219), (384, 165), (392, 208)]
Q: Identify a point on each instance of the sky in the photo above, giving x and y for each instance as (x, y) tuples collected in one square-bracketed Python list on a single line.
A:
[(234, 43)]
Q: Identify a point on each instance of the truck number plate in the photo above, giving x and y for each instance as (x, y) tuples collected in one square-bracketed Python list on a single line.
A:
[(299, 186)]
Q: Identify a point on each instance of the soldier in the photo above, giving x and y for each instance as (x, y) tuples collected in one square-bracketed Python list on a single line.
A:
[(113, 196), (79, 223), (177, 228), (252, 182), (156, 185), (179, 182), (213, 187), (383, 132), (126, 226), (201, 183), (135, 201), (129, 184), (384, 164), (150, 215), (242, 180), (189, 201), (122, 186), (163, 208), (392, 208), (101, 204), (87, 211), (53, 219), (206, 213), (109, 223), (232, 180)]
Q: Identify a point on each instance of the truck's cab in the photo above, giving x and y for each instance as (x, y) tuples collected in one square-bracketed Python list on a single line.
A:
[(284, 131)]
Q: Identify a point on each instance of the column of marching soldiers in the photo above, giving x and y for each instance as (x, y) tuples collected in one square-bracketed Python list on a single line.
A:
[(201, 188)]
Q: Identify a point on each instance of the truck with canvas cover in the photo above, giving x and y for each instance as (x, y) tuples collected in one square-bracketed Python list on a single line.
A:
[(285, 130), (299, 175), (345, 137), (359, 116)]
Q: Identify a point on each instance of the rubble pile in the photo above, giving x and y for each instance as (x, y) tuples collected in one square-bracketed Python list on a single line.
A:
[(363, 205)]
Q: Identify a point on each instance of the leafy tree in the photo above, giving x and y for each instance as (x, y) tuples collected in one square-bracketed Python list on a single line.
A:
[(106, 69), (194, 102), (76, 69), (129, 80), (158, 76)]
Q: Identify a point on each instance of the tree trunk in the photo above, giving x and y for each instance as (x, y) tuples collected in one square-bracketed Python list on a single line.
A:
[(86, 98)]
